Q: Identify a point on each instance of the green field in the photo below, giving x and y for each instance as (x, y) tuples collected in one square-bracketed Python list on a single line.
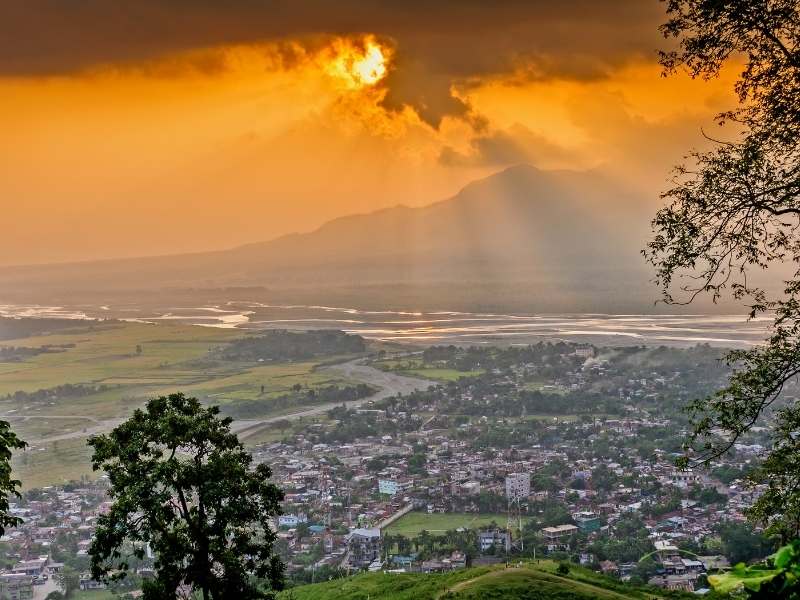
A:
[(173, 357), (416, 368), (411, 524), (53, 463), (520, 581)]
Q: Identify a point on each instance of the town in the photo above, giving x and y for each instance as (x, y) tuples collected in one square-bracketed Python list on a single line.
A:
[(563, 451)]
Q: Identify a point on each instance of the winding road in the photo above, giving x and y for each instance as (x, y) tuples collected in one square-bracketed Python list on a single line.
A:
[(389, 384)]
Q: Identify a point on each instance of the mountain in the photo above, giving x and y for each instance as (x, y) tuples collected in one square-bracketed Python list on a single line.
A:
[(522, 238), (526, 581)]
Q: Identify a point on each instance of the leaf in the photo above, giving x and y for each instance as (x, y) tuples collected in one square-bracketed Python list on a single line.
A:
[(784, 556), (751, 578)]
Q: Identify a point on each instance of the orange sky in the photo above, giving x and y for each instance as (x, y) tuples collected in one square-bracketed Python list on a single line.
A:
[(210, 145)]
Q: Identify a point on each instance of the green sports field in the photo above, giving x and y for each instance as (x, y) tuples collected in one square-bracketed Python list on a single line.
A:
[(411, 524)]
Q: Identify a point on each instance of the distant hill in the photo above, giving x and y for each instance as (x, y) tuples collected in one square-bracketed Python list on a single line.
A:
[(529, 582), (521, 239)]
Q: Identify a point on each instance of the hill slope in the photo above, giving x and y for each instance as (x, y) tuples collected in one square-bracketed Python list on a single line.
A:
[(531, 581)]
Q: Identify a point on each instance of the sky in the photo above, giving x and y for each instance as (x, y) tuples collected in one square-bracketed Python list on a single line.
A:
[(145, 127)]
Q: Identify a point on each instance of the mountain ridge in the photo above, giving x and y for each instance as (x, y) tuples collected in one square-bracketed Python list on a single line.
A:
[(540, 240)]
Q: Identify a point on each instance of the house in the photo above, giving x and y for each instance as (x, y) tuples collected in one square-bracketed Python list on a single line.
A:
[(559, 532), (392, 487), (16, 586), (363, 547), (291, 520), (587, 521), (34, 567), (608, 567), (494, 539)]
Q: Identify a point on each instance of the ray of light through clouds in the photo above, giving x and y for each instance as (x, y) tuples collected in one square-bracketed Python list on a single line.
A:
[(210, 145)]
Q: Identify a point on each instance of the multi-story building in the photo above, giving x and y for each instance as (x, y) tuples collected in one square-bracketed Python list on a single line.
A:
[(556, 537), (587, 521), (495, 538), (364, 547), (518, 486)]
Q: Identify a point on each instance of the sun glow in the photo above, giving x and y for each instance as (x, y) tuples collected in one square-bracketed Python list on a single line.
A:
[(359, 65)]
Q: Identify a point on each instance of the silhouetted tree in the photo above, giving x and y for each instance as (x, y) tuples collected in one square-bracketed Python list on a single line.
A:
[(8, 486), (182, 483), (735, 210)]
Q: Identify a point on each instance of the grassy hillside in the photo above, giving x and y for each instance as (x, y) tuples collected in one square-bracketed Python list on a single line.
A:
[(526, 581)]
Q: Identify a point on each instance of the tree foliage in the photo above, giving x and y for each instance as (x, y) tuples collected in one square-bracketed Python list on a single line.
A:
[(734, 211), (182, 484), (777, 579), (8, 485)]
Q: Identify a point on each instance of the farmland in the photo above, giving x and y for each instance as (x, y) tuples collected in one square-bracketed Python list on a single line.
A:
[(95, 374)]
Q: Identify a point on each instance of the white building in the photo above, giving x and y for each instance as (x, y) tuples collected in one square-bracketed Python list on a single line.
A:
[(291, 520), (393, 487), (518, 486)]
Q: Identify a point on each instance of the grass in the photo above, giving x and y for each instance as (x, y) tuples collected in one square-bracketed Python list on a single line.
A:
[(414, 367), (411, 524), (53, 463), (174, 357), (524, 581)]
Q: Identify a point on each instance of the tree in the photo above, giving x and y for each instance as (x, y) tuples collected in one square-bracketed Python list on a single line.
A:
[(182, 484), (741, 544), (734, 211), (8, 486)]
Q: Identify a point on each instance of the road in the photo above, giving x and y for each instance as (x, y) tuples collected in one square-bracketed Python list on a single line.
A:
[(389, 384)]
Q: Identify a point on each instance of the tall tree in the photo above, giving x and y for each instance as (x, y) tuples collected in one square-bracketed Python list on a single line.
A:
[(733, 211), (183, 484), (8, 486)]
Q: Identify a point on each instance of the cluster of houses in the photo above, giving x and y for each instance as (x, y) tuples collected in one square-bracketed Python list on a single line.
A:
[(53, 520), (340, 505)]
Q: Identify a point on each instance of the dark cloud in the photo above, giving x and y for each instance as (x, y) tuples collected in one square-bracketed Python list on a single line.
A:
[(438, 43)]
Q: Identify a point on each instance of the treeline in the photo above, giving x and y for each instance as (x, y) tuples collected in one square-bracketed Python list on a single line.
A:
[(280, 345), (473, 357), (67, 390), (299, 397), (11, 329), (20, 353)]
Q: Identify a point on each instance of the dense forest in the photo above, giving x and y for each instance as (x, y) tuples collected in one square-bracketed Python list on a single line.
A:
[(281, 345)]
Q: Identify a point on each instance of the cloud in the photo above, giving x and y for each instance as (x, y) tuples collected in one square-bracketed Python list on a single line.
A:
[(441, 46)]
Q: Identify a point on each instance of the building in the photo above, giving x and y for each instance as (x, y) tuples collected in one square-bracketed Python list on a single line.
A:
[(558, 533), (500, 540), (363, 547), (16, 586), (518, 486), (557, 537), (34, 567), (291, 520), (587, 521), (393, 487)]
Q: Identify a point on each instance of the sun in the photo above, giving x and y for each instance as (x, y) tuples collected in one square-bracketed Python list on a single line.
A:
[(372, 67), (358, 64)]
